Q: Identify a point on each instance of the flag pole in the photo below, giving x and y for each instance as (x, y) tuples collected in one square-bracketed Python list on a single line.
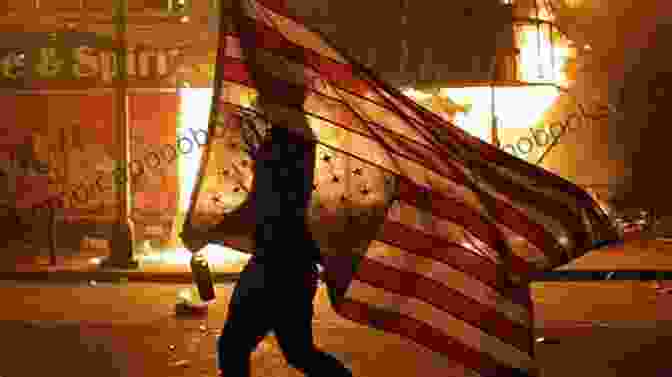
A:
[(123, 237)]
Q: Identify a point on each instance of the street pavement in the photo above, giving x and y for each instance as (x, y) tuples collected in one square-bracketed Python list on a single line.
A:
[(131, 329), (54, 321)]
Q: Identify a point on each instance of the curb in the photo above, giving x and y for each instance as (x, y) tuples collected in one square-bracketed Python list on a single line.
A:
[(601, 275), (111, 276)]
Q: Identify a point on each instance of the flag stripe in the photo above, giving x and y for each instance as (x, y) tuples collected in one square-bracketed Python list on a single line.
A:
[(460, 213), (429, 246), (439, 334), (412, 284), (452, 254), (273, 5), (337, 74), (442, 273)]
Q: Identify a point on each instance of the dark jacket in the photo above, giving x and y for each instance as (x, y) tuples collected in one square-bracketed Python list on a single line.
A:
[(284, 172)]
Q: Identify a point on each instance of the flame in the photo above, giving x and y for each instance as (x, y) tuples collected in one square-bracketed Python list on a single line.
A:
[(217, 256), (541, 60), (195, 104), (195, 110)]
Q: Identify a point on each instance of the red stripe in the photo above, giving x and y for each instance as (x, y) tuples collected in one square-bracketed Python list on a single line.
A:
[(425, 335), (449, 209), (277, 6), (236, 71), (522, 194), (534, 233), (461, 214), (445, 298), (426, 245), (543, 177), (270, 39)]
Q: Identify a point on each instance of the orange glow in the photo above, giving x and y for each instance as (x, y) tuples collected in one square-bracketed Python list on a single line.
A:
[(543, 59), (195, 110), (540, 60), (217, 256)]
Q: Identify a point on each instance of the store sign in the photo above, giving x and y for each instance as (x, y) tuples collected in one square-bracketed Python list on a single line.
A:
[(67, 60)]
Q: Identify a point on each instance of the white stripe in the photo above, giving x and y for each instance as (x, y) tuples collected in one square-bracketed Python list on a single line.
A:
[(469, 335), (298, 34), (450, 277), (525, 249), (408, 214), (232, 47), (447, 230)]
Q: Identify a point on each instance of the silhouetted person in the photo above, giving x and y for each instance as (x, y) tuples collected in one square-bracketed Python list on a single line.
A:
[(277, 287)]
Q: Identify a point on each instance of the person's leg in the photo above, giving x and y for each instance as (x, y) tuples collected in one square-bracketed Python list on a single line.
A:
[(294, 332), (245, 324)]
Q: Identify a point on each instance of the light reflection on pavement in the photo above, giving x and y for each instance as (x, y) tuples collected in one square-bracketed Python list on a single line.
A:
[(128, 330)]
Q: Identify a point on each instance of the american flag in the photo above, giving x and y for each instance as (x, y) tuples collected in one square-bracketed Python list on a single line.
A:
[(424, 230)]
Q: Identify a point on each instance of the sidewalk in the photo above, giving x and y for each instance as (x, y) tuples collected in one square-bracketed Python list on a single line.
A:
[(173, 267), (85, 266)]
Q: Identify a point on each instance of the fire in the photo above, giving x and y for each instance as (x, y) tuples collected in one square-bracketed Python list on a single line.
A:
[(195, 104), (218, 257), (543, 59), (540, 59)]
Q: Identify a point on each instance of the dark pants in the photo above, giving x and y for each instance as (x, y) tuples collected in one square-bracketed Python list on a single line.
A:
[(279, 298)]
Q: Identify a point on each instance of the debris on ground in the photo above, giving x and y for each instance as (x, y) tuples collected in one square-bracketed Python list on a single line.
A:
[(181, 363), (543, 340), (189, 302)]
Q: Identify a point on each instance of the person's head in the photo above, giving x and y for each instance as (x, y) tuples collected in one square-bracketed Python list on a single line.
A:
[(278, 75)]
